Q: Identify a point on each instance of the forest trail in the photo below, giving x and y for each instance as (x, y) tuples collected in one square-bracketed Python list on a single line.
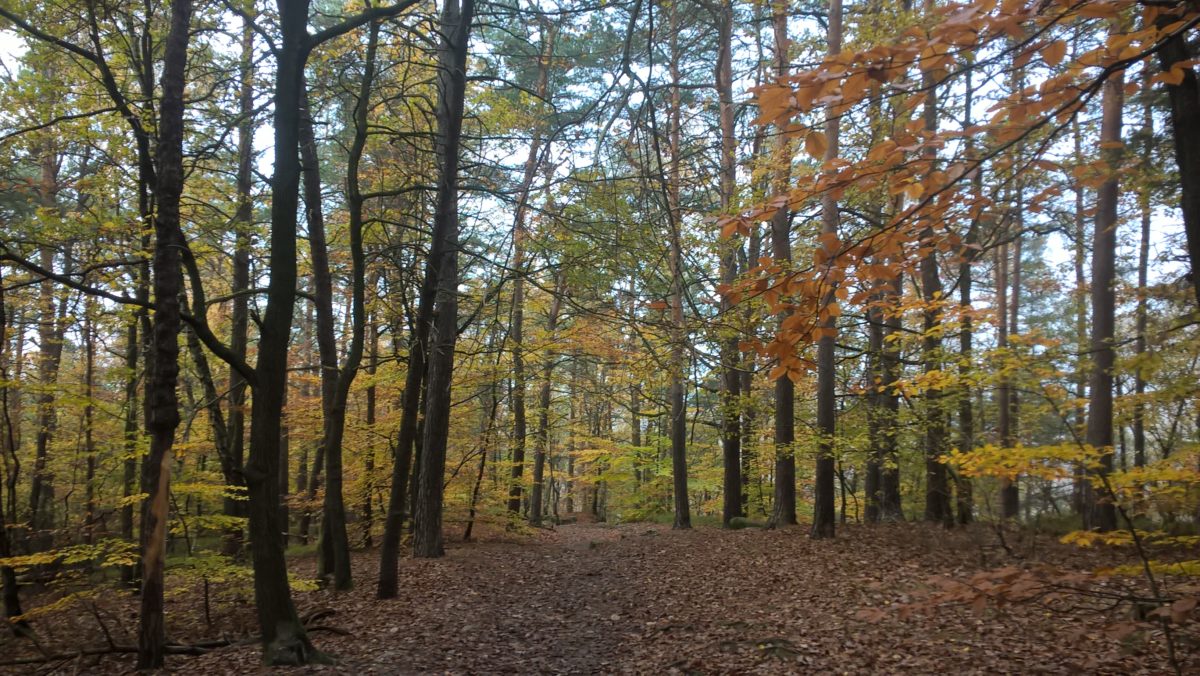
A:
[(597, 598), (591, 598)]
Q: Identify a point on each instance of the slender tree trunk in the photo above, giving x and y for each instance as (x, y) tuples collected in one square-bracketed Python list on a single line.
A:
[(678, 387), (1139, 384), (368, 489), (1009, 495), (89, 415), (890, 507), (872, 487), (823, 505), (731, 379), (1081, 313), (50, 344), (240, 315), (162, 404), (784, 511), (937, 487), (964, 490), (427, 516), (322, 307), (517, 324), (8, 577), (543, 433), (1100, 513), (130, 436), (335, 381)]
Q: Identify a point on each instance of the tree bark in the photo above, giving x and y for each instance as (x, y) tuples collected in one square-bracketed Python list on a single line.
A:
[(452, 56), (162, 404), (240, 315), (284, 638), (520, 265), (1185, 126), (1100, 512), (543, 433), (731, 379), (784, 510), (823, 489), (8, 577), (1139, 385)]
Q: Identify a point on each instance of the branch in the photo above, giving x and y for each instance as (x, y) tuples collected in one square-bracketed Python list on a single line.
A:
[(355, 21), (66, 280), (56, 120)]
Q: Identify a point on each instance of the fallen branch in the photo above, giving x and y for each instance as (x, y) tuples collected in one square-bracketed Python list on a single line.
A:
[(171, 649)]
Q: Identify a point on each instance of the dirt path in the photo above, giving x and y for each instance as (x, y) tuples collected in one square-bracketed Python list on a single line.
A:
[(593, 598)]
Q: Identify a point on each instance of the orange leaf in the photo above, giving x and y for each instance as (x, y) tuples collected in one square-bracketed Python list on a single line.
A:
[(816, 144), (1054, 52)]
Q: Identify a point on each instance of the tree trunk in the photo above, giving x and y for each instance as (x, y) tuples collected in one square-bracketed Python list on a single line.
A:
[(517, 325), (1009, 493), (937, 488), (1139, 384), (335, 382), (284, 639), (784, 511), (677, 391), (240, 315), (368, 488), (872, 487), (1185, 126), (890, 506), (1100, 513), (89, 415), (452, 56), (543, 433), (823, 489), (322, 307), (162, 404), (8, 577), (1080, 375), (731, 379)]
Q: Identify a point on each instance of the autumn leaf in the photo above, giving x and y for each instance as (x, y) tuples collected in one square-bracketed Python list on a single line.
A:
[(1054, 52), (816, 144)]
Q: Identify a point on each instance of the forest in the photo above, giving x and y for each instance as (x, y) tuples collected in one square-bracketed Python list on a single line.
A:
[(595, 336)]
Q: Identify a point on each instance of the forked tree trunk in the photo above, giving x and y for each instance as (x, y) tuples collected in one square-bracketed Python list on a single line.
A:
[(452, 57), (284, 639)]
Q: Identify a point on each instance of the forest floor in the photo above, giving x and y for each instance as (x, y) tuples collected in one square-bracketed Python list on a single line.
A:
[(596, 598)]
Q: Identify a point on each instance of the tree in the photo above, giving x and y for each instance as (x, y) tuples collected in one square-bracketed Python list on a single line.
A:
[(456, 22), (162, 405), (1099, 511)]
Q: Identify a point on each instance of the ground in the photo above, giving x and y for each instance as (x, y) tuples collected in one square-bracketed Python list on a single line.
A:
[(595, 598)]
